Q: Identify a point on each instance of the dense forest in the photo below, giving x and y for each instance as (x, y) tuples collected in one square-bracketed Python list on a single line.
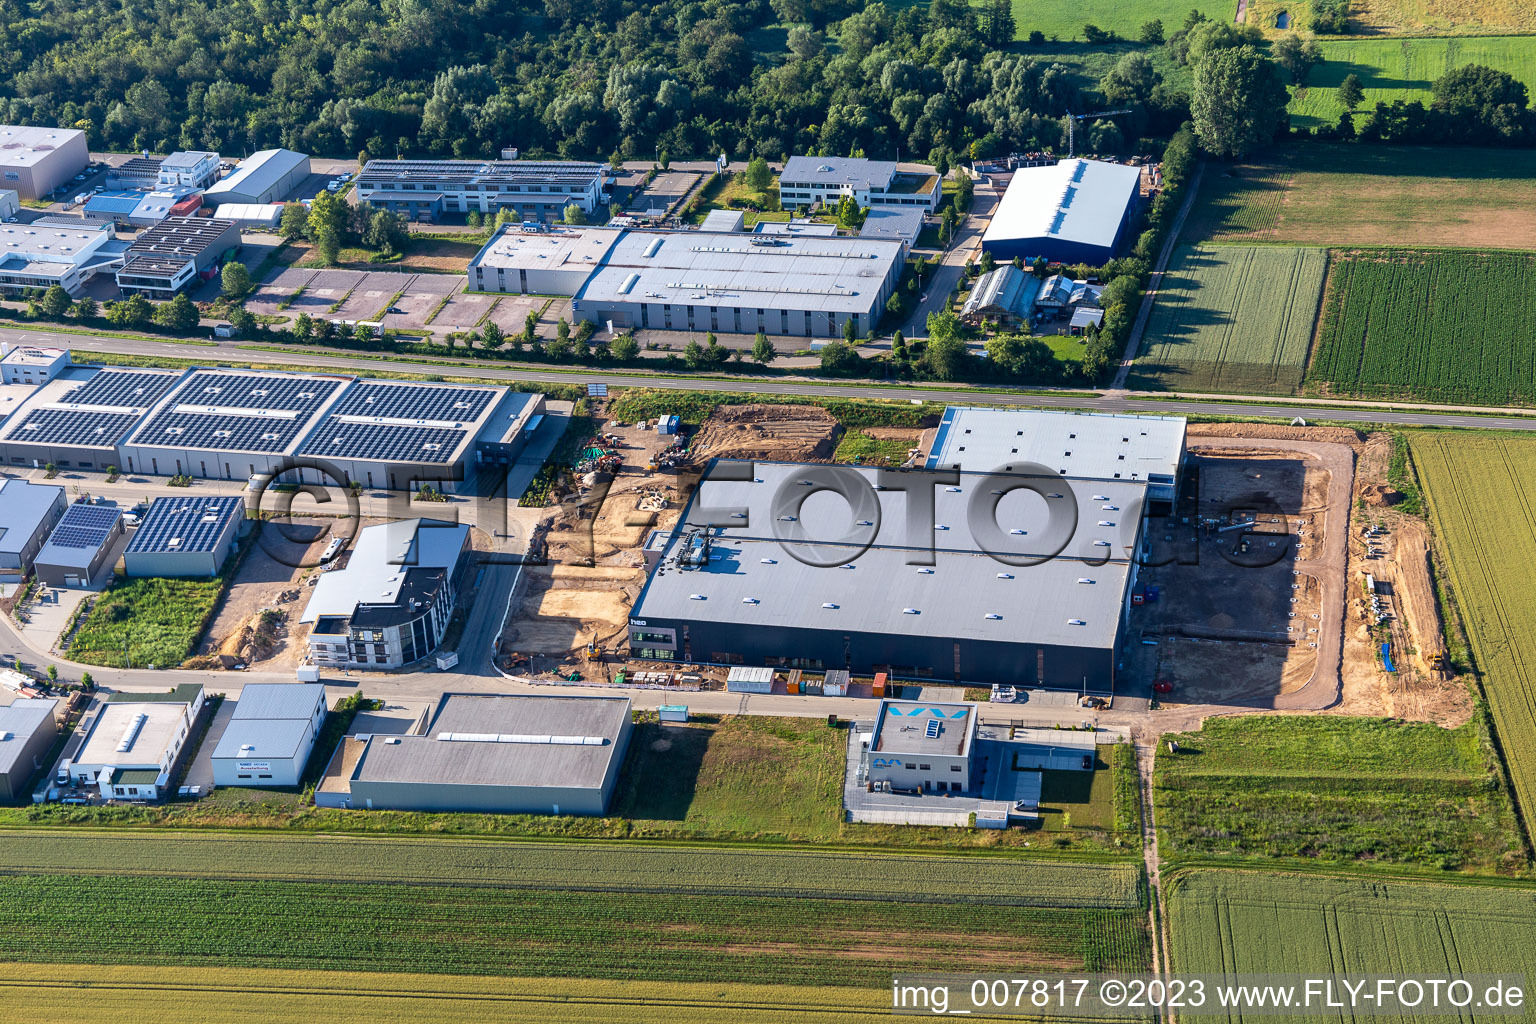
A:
[(590, 79)]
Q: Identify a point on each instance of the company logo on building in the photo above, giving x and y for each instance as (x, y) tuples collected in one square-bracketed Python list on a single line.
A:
[(252, 766), (885, 762)]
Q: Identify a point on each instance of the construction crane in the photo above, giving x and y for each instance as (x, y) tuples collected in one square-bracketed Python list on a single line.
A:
[(1072, 120)]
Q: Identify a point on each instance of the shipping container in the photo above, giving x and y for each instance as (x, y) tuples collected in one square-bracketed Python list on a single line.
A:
[(743, 679), (673, 712), (836, 683), (793, 689), (878, 690)]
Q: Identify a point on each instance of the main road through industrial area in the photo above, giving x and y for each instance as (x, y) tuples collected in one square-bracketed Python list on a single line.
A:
[(476, 672)]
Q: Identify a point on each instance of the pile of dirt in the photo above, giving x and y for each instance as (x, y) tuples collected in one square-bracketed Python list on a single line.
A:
[(255, 639), (1380, 495), (791, 433), (1276, 432)]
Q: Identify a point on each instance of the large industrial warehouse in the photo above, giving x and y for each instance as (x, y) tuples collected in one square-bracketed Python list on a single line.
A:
[(1076, 211), (35, 161), (1020, 588), (227, 424), (728, 282)]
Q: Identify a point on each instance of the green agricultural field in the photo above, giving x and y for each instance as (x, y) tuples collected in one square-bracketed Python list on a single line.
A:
[(1065, 18), (67, 994), (1481, 492), (146, 621), (437, 928), (1401, 69), (1232, 319), (1251, 922), (1440, 327), (1349, 790), (1342, 194)]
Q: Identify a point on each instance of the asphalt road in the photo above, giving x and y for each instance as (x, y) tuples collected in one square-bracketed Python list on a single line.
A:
[(1111, 401)]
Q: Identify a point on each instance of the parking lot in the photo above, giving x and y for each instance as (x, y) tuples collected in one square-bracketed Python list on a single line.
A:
[(420, 299), (464, 312), (372, 294)]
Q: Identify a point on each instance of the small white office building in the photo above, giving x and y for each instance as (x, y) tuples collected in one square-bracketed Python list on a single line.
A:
[(270, 735)]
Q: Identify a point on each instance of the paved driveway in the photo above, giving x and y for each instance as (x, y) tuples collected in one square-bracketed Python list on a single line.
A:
[(201, 772)]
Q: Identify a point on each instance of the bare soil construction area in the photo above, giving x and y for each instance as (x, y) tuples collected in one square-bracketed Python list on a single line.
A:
[(768, 432)]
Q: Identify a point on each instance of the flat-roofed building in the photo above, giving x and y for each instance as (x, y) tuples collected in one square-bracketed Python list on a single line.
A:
[(501, 754), (732, 282), (230, 424), (266, 176), (898, 223), (35, 161), (531, 190), (28, 513), (33, 364), (807, 180), (171, 255), (189, 536), (390, 605), (195, 169), (78, 419), (40, 256), (140, 172), (270, 734), (80, 546), (134, 742), (28, 728), (924, 746)]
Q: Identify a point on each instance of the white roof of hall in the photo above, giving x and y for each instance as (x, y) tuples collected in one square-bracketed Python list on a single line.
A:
[(797, 272), (24, 145), (514, 249), (1076, 200), (379, 561), (1072, 599), (1097, 446)]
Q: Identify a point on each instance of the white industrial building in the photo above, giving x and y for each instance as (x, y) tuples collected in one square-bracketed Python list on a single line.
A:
[(1075, 211), (134, 742), (78, 418), (251, 216), (32, 364), (730, 282), (40, 256), (807, 180), (35, 161), (897, 223), (532, 190), (195, 169), (269, 736), (28, 513), (390, 605), (924, 746), (498, 754), (263, 177), (28, 728)]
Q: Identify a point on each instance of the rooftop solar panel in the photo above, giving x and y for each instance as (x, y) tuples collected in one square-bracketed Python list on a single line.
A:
[(255, 391), (383, 442), (72, 427), (185, 524), (85, 526), (440, 404), (219, 433), (130, 388)]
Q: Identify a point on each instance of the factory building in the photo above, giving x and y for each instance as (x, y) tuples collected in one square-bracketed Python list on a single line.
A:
[(140, 172), (895, 223), (270, 735), (35, 161), (1003, 296), (136, 209), (134, 742), (263, 177), (28, 513), (531, 190), (40, 256), (390, 605), (28, 728), (727, 282), (230, 424), (173, 253), (808, 180), (499, 754), (77, 420), (189, 536), (1075, 211), (79, 548), (998, 586)]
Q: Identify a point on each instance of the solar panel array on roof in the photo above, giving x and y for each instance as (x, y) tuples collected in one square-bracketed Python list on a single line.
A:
[(412, 402), (185, 524), (121, 388), (383, 442), (222, 432), (255, 391), (85, 526), (73, 427)]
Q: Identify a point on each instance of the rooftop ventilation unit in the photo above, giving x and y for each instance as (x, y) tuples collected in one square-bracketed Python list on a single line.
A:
[(1076, 622), (993, 615), (828, 604), (910, 611)]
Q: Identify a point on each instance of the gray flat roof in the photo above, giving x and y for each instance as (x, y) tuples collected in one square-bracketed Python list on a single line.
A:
[(22, 718), (266, 737), (1083, 445), (23, 507), (1072, 599), (1074, 200), (181, 237), (839, 170), (500, 744), (151, 738), (899, 222), (256, 173), (903, 727), (566, 174), (279, 700), (27, 145)]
